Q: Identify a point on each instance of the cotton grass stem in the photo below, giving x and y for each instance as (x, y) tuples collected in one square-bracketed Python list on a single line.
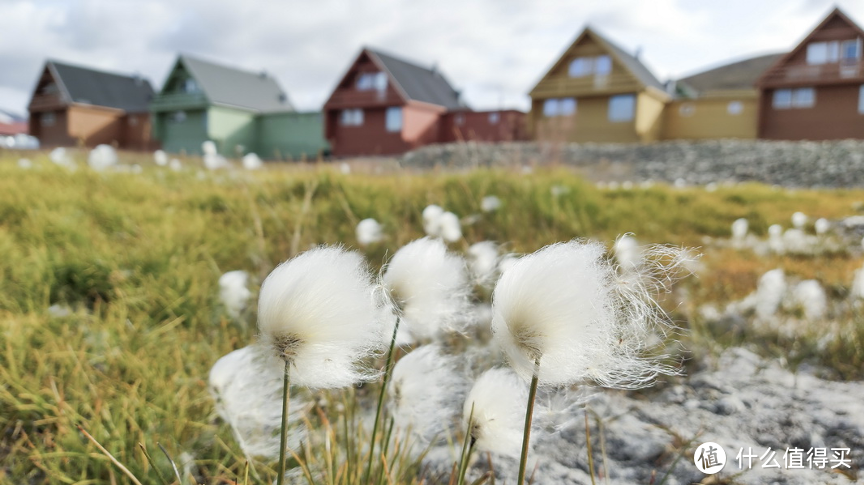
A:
[(387, 371), (529, 414), (283, 438), (469, 444), (110, 456), (590, 452)]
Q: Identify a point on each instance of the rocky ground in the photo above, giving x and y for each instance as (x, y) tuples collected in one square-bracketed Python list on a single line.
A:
[(790, 164), (741, 401)]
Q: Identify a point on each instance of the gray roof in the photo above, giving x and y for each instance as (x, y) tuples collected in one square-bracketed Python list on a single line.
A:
[(736, 75), (84, 85), (631, 62), (228, 86), (419, 83)]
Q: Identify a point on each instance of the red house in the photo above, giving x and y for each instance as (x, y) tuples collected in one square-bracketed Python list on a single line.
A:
[(11, 124), (387, 106), (816, 91)]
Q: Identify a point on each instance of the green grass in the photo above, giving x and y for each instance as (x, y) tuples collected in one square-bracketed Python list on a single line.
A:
[(137, 259)]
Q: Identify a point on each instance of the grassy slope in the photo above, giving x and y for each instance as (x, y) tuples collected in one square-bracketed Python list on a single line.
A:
[(137, 258)]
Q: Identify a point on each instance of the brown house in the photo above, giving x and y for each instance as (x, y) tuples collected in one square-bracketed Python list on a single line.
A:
[(816, 91), (385, 105), (74, 106)]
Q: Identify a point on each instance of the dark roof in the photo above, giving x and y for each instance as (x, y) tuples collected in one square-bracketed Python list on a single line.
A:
[(99, 88), (736, 75), (631, 62), (234, 87), (9, 117), (419, 83)]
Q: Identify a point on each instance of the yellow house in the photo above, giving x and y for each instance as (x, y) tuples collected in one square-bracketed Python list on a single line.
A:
[(597, 92), (717, 103)]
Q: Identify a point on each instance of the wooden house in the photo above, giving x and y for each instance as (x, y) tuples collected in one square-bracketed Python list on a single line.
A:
[(597, 92), (241, 111), (721, 102), (816, 91), (384, 105), (12, 124), (78, 106)]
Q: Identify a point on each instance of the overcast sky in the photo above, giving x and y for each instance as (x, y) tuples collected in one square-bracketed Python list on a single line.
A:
[(492, 50)]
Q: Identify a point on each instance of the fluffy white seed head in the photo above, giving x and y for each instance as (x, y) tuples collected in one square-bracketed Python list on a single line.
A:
[(25, 163), (208, 147), (490, 203), (175, 165), (739, 228), (252, 161), (59, 156), (483, 262), (799, 219), (318, 312), (214, 161), (233, 292), (426, 392), (627, 252), (498, 398), (429, 287), (102, 157), (857, 291), (248, 396), (431, 220), (566, 306), (369, 231), (809, 296), (160, 157), (822, 226), (451, 228), (769, 293)]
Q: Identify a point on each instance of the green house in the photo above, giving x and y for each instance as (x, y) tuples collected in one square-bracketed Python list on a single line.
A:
[(241, 111)]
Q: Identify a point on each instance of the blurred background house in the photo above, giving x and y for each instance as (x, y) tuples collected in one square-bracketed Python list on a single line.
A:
[(79, 106), (12, 124)]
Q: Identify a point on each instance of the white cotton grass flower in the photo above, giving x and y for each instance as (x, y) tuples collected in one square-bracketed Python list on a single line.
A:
[(248, 396), (252, 161), (318, 313), (775, 239), (483, 262), (175, 165), (102, 157), (857, 290), (739, 229), (234, 293), (208, 148), (627, 252), (799, 220), (451, 228), (769, 293), (429, 287), (369, 231), (426, 391), (160, 157), (810, 298), (566, 307), (822, 226), (490, 203), (498, 400), (59, 156), (25, 163), (431, 220)]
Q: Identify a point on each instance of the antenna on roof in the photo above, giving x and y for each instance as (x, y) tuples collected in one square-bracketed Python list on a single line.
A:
[(262, 74), (138, 79), (434, 68), (638, 53)]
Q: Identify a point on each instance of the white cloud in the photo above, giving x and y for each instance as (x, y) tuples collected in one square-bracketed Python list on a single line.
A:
[(492, 50)]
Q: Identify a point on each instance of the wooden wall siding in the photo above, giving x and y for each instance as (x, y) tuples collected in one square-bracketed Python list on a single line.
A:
[(476, 126), (95, 126), (182, 136), (137, 133), (834, 116), (558, 83), (589, 124), (369, 139), (421, 124), (47, 102), (709, 118), (54, 135), (649, 116), (346, 94)]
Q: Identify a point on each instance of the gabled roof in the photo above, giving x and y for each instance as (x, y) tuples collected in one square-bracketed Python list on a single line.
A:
[(629, 61), (100, 88), (228, 86), (735, 75), (836, 13), (416, 82)]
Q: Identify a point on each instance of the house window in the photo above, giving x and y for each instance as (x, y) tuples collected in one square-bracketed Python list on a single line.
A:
[(47, 119), (794, 98), (734, 108), (393, 120), (603, 65), (368, 81), (460, 119), (494, 118), (352, 117), (687, 109), (189, 86), (559, 107), (178, 116), (782, 99), (133, 121), (581, 66), (823, 52), (861, 99), (622, 107), (850, 50)]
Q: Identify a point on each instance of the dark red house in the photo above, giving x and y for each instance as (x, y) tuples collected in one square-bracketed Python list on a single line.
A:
[(387, 106), (816, 91)]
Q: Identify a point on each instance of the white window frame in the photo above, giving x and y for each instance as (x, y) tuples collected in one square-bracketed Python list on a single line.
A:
[(351, 117), (817, 53), (617, 107), (393, 119)]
